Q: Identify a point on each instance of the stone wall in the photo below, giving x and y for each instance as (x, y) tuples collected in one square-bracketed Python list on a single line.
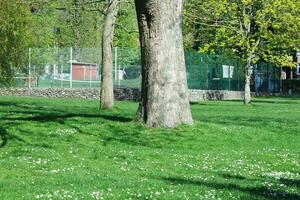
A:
[(211, 95), (121, 94)]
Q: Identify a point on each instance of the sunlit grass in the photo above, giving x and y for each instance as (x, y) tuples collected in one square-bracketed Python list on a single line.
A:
[(68, 149)]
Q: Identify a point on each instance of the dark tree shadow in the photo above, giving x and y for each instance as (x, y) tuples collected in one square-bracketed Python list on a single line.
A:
[(4, 137), (248, 121), (257, 191), (25, 106), (230, 176), (58, 117), (290, 182), (279, 101), (43, 114), (20, 112), (133, 137), (122, 134), (137, 135)]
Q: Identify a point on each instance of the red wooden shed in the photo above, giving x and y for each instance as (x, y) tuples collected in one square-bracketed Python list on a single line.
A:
[(84, 71)]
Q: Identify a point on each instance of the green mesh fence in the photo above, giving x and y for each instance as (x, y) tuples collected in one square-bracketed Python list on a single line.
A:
[(80, 68), (266, 78), (126, 67), (219, 72), (211, 72)]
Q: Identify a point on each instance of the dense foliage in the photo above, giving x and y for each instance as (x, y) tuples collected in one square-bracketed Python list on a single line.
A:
[(48, 24), (252, 29), (269, 28), (14, 37)]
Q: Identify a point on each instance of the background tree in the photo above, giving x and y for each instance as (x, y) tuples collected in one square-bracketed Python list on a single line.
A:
[(126, 30), (107, 93), (251, 29), (15, 38), (164, 100)]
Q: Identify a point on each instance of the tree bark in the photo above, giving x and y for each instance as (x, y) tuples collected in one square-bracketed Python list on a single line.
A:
[(247, 92), (107, 93), (248, 73), (164, 97)]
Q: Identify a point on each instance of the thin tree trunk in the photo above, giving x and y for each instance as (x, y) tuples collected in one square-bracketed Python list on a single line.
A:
[(248, 70), (164, 97), (247, 92), (107, 93)]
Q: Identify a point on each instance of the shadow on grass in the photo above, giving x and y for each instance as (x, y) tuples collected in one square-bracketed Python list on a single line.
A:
[(130, 133), (290, 182), (230, 176), (61, 118), (43, 114), (255, 191), (117, 134), (18, 113), (269, 123), (25, 106), (58, 117), (3, 136), (277, 101), (137, 135)]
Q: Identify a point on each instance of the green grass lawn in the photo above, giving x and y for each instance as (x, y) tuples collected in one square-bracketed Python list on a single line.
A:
[(68, 149)]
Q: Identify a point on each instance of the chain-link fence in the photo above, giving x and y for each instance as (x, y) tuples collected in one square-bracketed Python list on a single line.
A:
[(77, 68), (266, 78), (211, 72), (80, 68), (220, 72)]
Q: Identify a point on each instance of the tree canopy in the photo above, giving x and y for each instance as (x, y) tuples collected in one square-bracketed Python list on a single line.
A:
[(15, 37), (254, 30), (267, 30)]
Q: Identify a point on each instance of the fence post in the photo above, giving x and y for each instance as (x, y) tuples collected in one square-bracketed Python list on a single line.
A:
[(52, 75), (268, 78), (211, 72), (280, 79), (29, 69), (90, 71), (116, 63), (71, 67), (229, 77), (61, 76), (190, 70), (238, 72), (119, 76), (220, 78), (34, 78)]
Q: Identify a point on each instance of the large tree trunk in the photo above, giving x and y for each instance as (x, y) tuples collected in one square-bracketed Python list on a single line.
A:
[(164, 97), (107, 93), (247, 92)]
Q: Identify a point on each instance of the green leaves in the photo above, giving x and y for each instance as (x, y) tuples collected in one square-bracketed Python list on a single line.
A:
[(255, 29), (15, 37)]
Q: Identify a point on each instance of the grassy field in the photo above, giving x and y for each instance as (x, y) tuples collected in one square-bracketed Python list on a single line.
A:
[(130, 83), (67, 149)]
